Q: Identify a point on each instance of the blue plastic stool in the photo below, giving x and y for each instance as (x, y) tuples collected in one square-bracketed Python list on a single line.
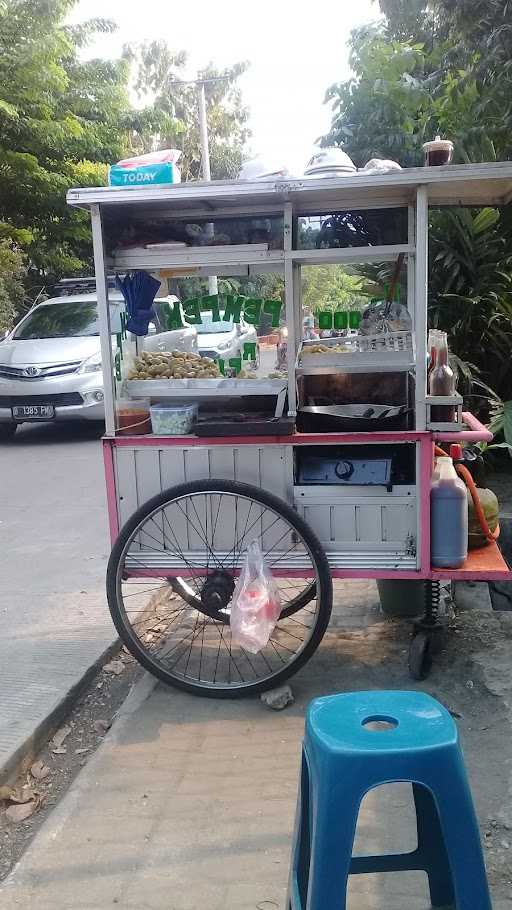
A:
[(343, 759)]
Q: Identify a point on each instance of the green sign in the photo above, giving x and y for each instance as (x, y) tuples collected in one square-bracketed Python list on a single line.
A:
[(224, 308)]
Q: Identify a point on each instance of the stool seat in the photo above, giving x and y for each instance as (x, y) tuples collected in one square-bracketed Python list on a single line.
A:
[(355, 742), (337, 722)]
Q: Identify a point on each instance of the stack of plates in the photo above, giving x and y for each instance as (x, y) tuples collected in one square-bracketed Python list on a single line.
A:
[(330, 162)]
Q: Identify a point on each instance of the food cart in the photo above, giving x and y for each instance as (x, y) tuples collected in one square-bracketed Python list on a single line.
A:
[(324, 504)]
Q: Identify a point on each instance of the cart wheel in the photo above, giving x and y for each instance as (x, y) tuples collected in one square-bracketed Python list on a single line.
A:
[(171, 577), (420, 658)]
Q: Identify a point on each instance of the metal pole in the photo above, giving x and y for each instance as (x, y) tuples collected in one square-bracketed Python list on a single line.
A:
[(104, 319), (203, 130), (421, 304), (292, 307), (213, 286)]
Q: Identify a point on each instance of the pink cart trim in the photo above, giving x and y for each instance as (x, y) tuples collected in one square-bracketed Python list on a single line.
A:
[(110, 481), (426, 461), (476, 433), (292, 440)]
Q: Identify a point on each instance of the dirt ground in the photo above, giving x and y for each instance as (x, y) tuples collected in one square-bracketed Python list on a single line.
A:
[(85, 728)]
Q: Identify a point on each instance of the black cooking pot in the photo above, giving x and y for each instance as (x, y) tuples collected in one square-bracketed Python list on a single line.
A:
[(352, 418)]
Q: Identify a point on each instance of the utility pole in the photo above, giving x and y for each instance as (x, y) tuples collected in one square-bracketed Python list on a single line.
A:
[(213, 286)]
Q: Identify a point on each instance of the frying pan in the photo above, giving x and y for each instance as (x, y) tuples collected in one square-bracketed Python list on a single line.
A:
[(355, 418)]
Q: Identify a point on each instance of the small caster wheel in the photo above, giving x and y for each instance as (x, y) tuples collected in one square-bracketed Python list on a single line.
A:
[(420, 658)]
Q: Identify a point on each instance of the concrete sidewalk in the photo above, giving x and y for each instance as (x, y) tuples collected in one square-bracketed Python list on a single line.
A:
[(189, 802), (54, 621)]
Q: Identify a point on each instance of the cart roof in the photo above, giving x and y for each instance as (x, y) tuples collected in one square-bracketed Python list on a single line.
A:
[(466, 184)]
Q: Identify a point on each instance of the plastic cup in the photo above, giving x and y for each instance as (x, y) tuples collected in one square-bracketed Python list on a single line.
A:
[(438, 152), (324, 319), (341, 319)]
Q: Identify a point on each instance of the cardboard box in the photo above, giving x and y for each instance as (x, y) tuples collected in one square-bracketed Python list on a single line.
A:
[(164, 174)]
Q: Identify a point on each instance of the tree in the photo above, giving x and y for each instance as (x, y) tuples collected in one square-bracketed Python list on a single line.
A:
[(12, 291), (158, 79), (386, 109), (443, 66), (330, 287), (440, 66), (60, 119)]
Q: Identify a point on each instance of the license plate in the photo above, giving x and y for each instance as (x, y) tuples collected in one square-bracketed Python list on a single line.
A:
[(33, 412)]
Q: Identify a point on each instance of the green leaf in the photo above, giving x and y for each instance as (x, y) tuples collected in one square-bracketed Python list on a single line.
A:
[(9, 110), (507, 421), (485, 219)]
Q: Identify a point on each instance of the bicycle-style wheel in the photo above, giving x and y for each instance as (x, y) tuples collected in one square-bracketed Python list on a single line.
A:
[(171, 577)]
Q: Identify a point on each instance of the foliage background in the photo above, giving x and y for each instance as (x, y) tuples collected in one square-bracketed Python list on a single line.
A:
[(443, 66)]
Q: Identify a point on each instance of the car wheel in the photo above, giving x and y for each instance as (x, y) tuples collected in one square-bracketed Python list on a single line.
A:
[(7, 431)]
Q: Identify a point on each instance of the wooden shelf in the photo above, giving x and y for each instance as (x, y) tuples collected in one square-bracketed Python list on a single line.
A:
[(483, 564)]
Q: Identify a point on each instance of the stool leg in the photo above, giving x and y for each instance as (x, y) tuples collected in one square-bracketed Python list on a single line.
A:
[(334, 827), (301, 850), (461, 836), (431, 850)]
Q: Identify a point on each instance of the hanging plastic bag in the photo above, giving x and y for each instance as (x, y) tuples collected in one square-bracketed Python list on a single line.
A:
[(383, 316), (256, 606)]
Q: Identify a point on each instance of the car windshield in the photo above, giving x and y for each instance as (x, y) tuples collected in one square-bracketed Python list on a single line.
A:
[(67, 319), (209, 327)]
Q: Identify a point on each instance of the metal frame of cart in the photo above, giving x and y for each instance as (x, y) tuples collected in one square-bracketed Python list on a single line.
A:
[(390, 530)]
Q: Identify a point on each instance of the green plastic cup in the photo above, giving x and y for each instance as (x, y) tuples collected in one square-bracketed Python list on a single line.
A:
[(341, 319), (324, 319), (354, 319)]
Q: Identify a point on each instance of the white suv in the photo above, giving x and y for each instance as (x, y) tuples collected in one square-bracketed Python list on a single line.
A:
[(50, 364)]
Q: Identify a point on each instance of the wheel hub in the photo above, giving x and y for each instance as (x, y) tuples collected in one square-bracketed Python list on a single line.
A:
[(217, 593)]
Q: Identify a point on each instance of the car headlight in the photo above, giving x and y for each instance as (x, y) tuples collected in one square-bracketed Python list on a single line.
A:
[(91, 365), (223, 345)]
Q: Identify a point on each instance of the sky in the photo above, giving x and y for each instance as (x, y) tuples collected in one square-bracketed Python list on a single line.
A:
[(295, 52)]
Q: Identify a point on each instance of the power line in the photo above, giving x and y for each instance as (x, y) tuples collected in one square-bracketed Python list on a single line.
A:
[(199, 81)]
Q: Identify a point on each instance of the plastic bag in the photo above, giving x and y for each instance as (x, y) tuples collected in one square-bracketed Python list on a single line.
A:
[(256, 606), (384, 316), (379, 166), (165, 156)]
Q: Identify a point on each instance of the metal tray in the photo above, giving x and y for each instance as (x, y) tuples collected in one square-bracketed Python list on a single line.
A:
[(202, 388), (389, 353)]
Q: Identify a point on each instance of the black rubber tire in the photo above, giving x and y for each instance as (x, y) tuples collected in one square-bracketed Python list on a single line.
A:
[(7, 431), (420, 656), (317, 552)]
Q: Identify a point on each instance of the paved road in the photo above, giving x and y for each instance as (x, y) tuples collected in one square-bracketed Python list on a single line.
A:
[(53, 543)]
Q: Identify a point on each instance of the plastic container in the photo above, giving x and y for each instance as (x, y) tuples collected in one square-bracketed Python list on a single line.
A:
[(448, 517), (133, 417), (172, 420), (404, 598)]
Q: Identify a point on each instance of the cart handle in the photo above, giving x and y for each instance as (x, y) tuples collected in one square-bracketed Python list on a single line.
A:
[(476, 433)]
